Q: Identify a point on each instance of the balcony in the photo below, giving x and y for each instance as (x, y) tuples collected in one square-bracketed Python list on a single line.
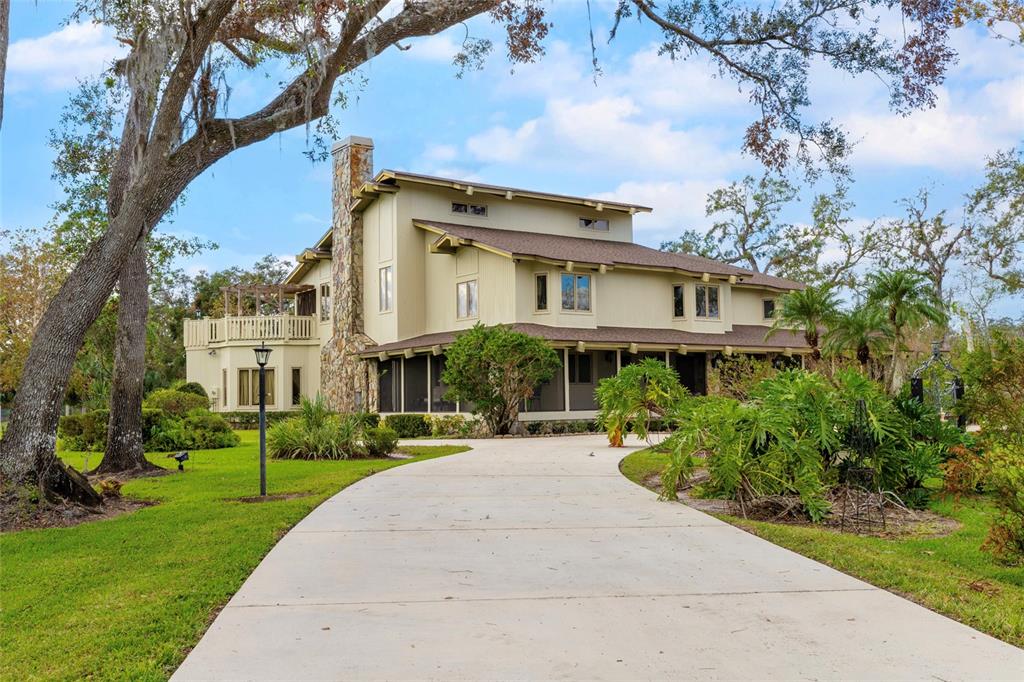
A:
[(214, 332)]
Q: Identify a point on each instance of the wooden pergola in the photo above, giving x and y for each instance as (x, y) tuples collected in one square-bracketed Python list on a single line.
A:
[(258, 291)]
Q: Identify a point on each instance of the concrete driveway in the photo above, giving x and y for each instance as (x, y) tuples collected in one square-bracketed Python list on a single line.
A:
[(536, 559)]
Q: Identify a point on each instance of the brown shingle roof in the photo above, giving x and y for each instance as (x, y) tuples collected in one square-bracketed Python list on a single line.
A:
[(741, 336), (598, 251)]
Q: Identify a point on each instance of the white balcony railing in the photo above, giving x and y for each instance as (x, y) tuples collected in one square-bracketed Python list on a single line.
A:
[(213, 331)]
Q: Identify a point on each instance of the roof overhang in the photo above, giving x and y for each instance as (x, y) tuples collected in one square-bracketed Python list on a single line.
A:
[(393, 178)]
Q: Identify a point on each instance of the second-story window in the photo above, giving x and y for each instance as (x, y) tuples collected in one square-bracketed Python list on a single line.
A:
[(599, 224), (475, 210), (575, 292), (768, 308), (466, 299), (707, 301), (325, 302), (387, 288), (678, 300), (542, 291)]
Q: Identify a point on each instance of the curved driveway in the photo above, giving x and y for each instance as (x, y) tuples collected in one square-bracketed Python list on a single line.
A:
[(535, 559)]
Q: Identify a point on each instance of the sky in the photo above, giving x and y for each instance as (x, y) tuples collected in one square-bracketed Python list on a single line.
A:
[(646, 130)]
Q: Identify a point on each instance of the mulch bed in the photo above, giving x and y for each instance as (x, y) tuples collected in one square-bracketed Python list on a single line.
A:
[(867, 513), (17, 513)]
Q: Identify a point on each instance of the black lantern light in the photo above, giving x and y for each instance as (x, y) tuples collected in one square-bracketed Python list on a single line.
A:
[(262, 356)]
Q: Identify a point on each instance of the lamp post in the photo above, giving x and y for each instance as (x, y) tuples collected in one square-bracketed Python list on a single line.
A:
[(262, 355)]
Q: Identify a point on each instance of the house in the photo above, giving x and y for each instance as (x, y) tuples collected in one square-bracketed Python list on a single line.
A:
[(411, 260)]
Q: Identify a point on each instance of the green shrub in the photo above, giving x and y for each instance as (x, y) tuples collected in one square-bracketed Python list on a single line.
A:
[(446, 424), (1004, 478), (636, 395), (191, 387), (408, 425), (736, 376), (994, 378), (248, 420), (316, 433), (495, 369), (380, 441), (88, 431), (175, 403), (796, 435), (368, 419)]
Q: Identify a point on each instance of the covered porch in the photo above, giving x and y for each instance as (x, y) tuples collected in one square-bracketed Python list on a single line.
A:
[(410, 377)]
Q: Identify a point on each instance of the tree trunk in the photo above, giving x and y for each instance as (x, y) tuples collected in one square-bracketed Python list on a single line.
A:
[(124, 430), (27, 450)]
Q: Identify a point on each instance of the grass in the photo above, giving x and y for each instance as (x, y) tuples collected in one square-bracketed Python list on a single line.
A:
[(950, 574), (126, 598)]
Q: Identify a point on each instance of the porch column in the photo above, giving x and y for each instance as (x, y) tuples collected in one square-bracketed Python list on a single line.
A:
[(618, 360), (565, 378), (430, 385), (401, 402), (667, 359)]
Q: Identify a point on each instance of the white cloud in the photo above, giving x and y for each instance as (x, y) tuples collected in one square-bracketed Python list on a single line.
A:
[(678, 206), (435, 48), (956, 134), (58, 60)]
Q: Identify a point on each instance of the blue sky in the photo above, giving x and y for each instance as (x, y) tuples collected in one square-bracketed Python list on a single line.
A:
[(650, 131)]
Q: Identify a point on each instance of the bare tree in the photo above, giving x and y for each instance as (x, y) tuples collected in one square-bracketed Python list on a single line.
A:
[(924, 241), (175, 129)]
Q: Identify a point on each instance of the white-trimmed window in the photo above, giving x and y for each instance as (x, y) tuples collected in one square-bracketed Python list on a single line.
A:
[(466, 302), (707, 301), (475, 210), (249, 387), (386, 283), (678, 300), (599, 224), (542, 291), (325, 302), (576, 292), (768, 308)]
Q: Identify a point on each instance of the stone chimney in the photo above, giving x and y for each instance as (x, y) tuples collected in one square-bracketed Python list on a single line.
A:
[(347, 382)]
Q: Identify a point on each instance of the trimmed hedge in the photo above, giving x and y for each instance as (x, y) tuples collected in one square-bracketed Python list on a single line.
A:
[(161, 432), (88, 431), (408, 425), (251, 420), (176, 403), (190, 387)]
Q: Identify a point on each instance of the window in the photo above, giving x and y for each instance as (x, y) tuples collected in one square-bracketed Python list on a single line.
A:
[(600, 224), (768, 308), (580, 368), (575, 292), (678, 297), (475, 210), (296, 386), (707, 300), (249, 387), (466, 299), (325, 302), (542, 291), (387, 288), (224, 387)]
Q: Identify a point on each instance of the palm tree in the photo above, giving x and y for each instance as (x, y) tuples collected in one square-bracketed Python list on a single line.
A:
[(862, 331), (806, 309), (907, 299)]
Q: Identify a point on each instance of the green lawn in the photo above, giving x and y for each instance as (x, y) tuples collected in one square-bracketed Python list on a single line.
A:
[(948, 574), (125, 598)]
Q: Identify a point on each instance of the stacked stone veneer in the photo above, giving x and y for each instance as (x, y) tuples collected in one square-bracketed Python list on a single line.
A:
[(347, 382)]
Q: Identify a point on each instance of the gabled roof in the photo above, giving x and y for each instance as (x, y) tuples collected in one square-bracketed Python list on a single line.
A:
[(586, 251), (392, 177), (745, 337)]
